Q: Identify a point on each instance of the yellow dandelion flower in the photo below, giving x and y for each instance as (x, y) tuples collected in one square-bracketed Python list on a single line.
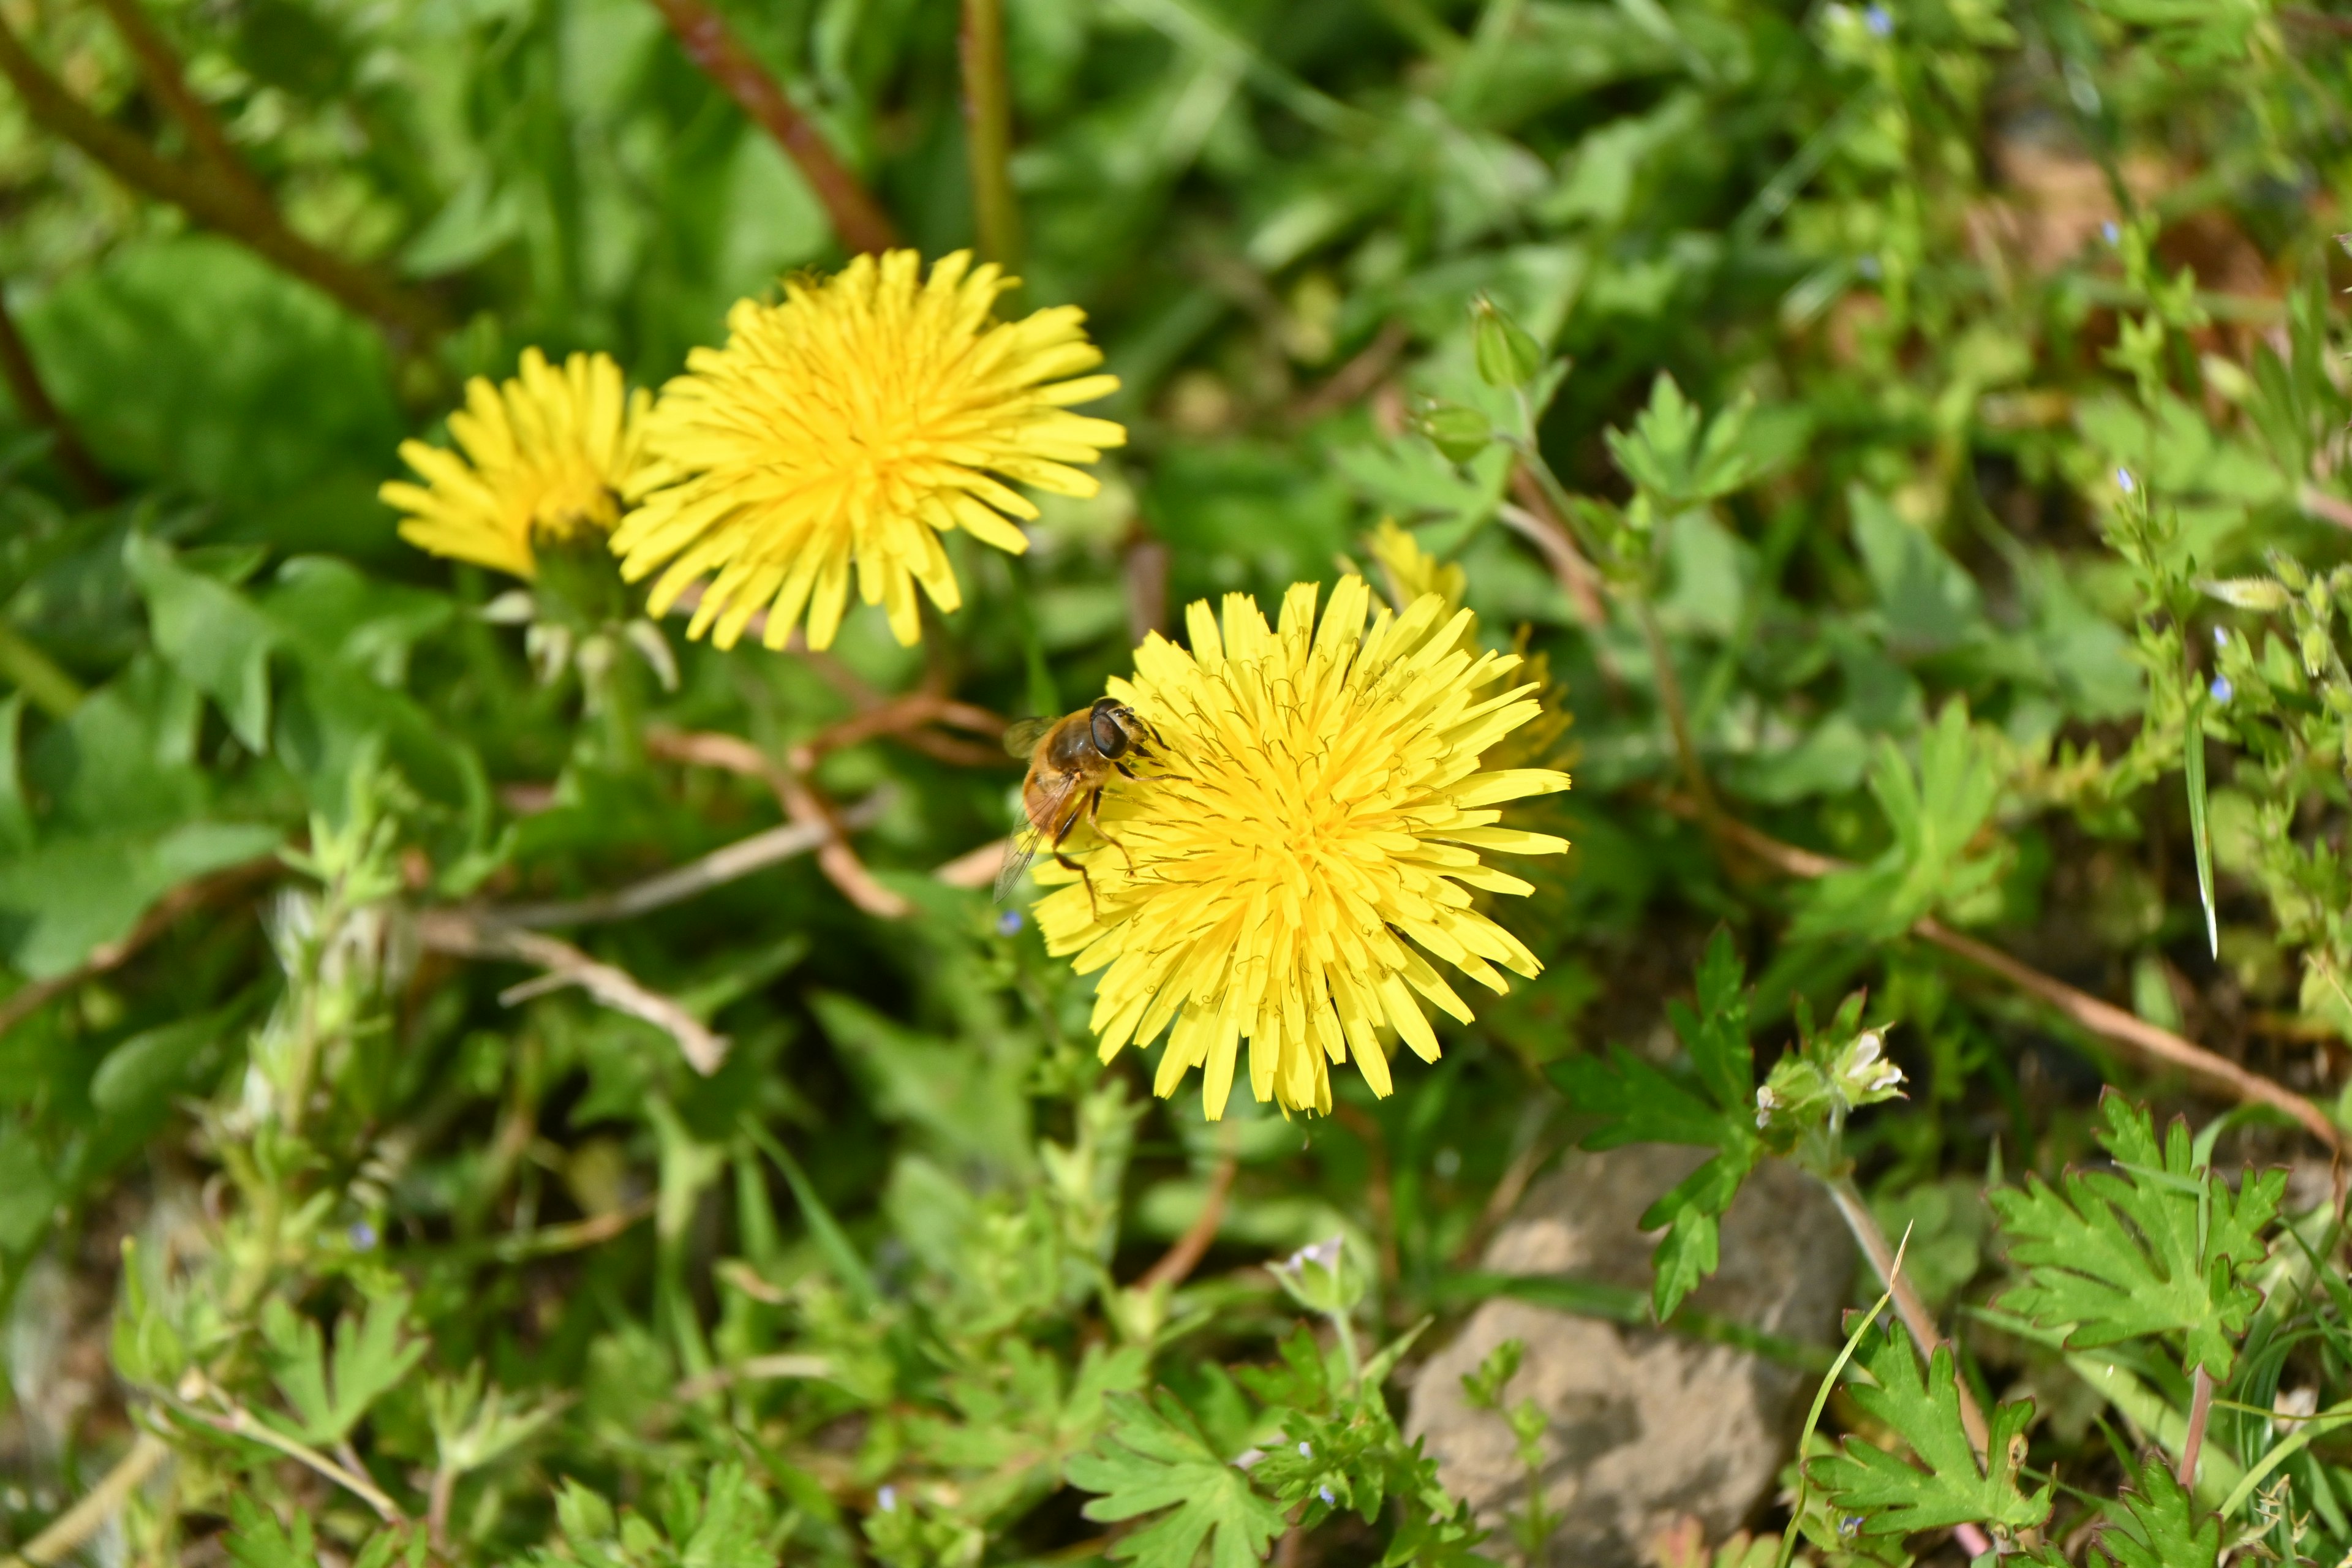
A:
[(854, 424), (547, 457), (1305, 829)]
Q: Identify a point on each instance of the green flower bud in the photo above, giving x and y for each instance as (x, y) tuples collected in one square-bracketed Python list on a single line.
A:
[(1506, 355), (1460, 432)]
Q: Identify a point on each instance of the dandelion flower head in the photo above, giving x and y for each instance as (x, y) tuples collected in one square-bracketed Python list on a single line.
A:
[(849, 427), (546, 457), (1301, 842)]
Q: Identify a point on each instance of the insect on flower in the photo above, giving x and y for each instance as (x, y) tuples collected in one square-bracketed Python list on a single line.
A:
[(1070, 759)]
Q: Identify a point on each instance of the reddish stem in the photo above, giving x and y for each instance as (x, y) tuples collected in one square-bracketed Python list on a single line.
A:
[(720, 54)]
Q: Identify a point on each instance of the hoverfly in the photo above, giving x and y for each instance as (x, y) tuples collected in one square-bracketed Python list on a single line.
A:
[(1070, 759)]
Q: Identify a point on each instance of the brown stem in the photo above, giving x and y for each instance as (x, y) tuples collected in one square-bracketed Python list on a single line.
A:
[(802, 804), (1669, 697), (32, 400), (212, 201), (2201, 1410), (1178, 1262), (463, 935), (2136, 1033), (988, 132), (1908, 1300), (30, 998), (857, 220), (1354, 381), (161, 67), (2145, 1040)]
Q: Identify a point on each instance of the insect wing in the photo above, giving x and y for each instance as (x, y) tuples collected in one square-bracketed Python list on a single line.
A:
[(1021, 736), (1032, 838)]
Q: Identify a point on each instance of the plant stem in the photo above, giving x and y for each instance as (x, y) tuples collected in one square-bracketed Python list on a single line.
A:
[(988, 132), (80, 1522), (240, 1422), (858, 220), (36, 674), (2201, 1410), (409, 319), (1184, 1256), (1669, 697), (32, 400), (1907, 1301), (2108, 1022), (161, 67)]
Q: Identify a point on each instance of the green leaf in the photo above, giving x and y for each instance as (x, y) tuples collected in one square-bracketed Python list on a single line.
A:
[(370, 1357), (2159, 1527), (1154, 1457), (2200, 835), (1895, 1497), (2156, 1246), (1935, 811), (255, 1539), (1639, 1103)]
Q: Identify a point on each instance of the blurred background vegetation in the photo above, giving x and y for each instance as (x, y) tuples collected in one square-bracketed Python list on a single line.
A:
[(2002, 573)]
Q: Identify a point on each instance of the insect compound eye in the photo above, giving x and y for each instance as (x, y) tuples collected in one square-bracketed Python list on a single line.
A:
[(1110, 735)]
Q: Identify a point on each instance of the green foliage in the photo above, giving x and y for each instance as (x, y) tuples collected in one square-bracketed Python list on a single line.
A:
[(1950, 1484), (1911, 433), (1641, 1103), (1154, 1457), (2159, 1527), (2158, 1246)]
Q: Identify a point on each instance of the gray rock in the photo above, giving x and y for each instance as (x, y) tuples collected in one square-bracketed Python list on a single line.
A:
[(1645, 1427)]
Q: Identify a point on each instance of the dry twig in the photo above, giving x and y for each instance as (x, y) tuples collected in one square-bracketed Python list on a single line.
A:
[(2143, 1039), (464, 935), (65, 1532), (727, 864), (836, 858)]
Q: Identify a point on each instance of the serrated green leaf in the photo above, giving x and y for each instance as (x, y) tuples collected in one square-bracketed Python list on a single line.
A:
[(2160, 1529), (1893, 1496), (255, 1539), (370, 1355), (1154, 1457), (2156, 1247)]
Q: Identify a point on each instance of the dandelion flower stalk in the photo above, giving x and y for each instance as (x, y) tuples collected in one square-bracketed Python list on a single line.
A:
[(542, 458), (1299, 852), (844, 430)]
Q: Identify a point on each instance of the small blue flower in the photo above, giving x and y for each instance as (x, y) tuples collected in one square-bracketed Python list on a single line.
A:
[(2221, 689), (1307, 1450), (2110, 233), (1325, 1493), (889, 1498), (363, 1237), (1869, 267), (1879, 23), (1009, 923), (2124, 482), (2221, 636)]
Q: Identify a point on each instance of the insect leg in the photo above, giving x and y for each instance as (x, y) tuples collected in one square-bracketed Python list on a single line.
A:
[(1094, 805), (1093, 905)]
